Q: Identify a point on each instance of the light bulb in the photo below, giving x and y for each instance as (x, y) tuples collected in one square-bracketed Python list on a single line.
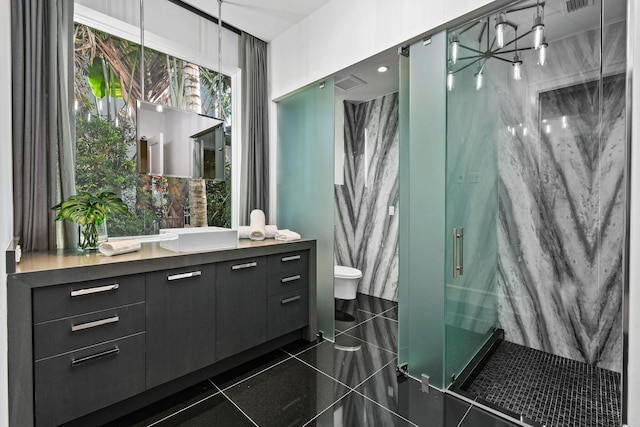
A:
[(500, 29), (479, 80), (517, 65), (455, 44), (516, 70), (542, 54), (450, 80), (538, 32)]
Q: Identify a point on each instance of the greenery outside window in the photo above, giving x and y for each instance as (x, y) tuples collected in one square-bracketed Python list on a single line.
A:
[(107, 86)]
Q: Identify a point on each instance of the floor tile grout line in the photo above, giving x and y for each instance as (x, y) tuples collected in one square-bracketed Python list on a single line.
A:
[(465, 415), (376, 372), (361, 323), (185, 408), (327, 408), (384, 407), (324, 373), (370, 343), (257, 373), (236, 405)]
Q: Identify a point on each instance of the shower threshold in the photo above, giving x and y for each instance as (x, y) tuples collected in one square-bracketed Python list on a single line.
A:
[(541, 389)]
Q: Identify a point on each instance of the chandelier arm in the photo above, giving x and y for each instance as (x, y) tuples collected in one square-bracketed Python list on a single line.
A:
[(502, 52), (502, 59), (468, 28), (468, 65), (479, 52), (464, 58), (518, 38)]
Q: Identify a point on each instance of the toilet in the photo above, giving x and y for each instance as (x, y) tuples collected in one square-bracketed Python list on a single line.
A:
[(346, 281)]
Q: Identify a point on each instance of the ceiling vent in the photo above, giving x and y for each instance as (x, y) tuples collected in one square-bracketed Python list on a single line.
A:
[(349, 82), (573, 5)]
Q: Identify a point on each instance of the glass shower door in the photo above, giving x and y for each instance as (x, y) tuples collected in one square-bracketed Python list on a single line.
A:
[(471, 312)]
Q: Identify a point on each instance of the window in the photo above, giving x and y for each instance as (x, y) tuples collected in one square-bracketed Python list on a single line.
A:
[(107, 86)]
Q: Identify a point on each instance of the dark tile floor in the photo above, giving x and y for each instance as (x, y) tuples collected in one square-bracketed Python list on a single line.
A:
[(548, 389), (349, 383)]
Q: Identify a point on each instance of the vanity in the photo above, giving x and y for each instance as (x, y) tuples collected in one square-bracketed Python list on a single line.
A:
[(92, 338)]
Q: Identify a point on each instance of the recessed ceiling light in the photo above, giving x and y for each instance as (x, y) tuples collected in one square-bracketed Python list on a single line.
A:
[(383, 69)]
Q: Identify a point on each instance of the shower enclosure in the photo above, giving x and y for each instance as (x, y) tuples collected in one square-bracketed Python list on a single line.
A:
[(535, 204), (513, 215)]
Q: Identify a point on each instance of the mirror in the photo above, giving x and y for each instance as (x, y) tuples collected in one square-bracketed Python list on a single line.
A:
[(179, 143)]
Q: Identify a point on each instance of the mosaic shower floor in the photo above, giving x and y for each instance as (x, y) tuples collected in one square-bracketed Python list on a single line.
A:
[(551, 390)]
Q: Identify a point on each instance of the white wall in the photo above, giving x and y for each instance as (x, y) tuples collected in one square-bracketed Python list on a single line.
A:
[(342, 33), (6, 195)]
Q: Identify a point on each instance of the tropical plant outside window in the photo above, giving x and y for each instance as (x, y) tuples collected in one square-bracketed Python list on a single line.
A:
[(107, 86)]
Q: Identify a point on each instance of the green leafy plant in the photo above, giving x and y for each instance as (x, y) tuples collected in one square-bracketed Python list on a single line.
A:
[(89, 211)]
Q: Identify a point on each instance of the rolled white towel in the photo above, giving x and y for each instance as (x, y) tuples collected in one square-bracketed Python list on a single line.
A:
[(119, 247), (270, 231), (244, 231), (287, 235), (257, 225)]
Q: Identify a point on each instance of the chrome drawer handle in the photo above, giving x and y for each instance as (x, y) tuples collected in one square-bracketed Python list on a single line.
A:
[(290, 258), (288, 300), (89, 291), (184, 275), (290, 279), (95, 323), (241, 266), (80, 361)]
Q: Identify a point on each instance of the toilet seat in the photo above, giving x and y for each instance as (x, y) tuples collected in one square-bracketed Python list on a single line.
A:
[(343, 272)]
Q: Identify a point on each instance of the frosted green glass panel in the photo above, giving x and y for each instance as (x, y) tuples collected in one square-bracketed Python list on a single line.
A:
[(305, 182), (403, 212), (422, 194), (471, 309)]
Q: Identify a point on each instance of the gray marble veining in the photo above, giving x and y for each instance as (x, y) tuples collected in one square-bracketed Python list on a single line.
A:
[(561, 201), (366, 235)]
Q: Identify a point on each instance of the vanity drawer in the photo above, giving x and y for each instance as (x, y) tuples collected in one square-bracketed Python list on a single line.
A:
[(290, 261), (56, 302), (75, 384), (288, 281), (64, 335), (287, 312)]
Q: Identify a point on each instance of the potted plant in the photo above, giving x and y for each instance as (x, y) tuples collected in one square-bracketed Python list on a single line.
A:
[(89, 211)]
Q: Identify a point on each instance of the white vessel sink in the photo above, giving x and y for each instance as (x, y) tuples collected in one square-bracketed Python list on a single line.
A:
[(199, 239)]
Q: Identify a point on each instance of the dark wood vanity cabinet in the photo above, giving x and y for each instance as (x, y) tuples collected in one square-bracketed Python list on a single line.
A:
[(241, 305), (148, 333), (288, 290), (180, 322), (88, 346)]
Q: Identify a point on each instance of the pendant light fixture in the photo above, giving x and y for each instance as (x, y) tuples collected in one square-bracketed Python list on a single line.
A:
[(450, 79), (542, 53), (454, 47), (501, 27), (495, 42), (538, 28), (517, 65)]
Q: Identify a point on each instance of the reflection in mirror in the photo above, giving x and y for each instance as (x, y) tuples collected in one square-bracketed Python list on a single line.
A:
[(179, 143)]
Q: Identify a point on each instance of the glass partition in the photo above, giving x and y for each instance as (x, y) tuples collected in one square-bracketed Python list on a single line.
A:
[(305, 177)]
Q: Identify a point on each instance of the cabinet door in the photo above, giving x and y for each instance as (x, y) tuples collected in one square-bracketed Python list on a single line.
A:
[(180, 322), (241, 305)]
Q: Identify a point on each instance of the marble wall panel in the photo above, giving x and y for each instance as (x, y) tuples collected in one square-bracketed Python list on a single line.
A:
[(366, 235), (561, 201)]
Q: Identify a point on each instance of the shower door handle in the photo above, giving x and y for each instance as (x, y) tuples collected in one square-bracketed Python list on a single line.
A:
[(458, 252)]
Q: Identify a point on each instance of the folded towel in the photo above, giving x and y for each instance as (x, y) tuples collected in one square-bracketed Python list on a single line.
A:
[(287, 235), (119, 247), (244, 231), (257, 229)]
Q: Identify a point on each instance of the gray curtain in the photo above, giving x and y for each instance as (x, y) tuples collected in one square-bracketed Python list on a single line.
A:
[(254, 186), (43, 132)]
